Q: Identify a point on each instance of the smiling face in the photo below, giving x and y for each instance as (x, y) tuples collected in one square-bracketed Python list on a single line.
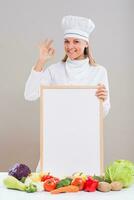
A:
[(74, 48)]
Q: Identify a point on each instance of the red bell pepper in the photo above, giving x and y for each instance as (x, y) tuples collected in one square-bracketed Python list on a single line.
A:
[(91, 184)]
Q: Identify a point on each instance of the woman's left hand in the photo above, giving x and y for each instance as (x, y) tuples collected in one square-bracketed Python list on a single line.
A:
[(101, 92)]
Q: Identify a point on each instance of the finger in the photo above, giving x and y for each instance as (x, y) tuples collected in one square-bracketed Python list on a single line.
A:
[(101, 93), (101, 90), (40, 44), (51, 51), (100, 85), (45, 44), (49, 43)]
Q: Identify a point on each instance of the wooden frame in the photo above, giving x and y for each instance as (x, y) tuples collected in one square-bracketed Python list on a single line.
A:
[(42, 125)]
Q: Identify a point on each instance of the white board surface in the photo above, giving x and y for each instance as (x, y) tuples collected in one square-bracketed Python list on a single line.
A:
[(70, 131)]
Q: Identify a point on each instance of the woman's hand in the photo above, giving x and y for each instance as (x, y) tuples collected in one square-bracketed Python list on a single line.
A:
[(46, 51), (101, 92)]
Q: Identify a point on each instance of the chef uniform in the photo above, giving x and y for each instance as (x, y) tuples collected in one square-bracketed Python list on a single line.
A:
[(77, 72)]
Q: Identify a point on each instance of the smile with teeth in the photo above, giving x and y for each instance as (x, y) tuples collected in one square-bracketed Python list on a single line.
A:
[(71, 51)]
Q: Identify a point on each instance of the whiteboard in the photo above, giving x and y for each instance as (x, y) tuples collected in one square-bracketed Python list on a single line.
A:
[(71, 130)]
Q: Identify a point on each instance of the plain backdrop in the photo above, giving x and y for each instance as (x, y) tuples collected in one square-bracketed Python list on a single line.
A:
[(23, 24)]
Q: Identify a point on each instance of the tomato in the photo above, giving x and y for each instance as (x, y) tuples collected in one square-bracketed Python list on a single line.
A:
[(78, 182), (49, 184), (46, 177)]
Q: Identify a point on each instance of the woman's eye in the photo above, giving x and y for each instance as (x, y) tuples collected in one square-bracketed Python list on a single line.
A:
[(76, 41), (66, 41)]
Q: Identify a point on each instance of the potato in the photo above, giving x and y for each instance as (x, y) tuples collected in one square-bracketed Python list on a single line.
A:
[(116, 186), (104, 187)]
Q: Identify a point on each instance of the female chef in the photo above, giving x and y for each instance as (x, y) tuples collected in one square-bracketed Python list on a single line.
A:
[(77, 67)]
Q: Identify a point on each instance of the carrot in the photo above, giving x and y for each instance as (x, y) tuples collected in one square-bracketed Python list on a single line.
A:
[(69, 188)]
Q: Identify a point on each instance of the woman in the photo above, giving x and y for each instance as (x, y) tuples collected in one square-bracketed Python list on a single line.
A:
[(77, 67)]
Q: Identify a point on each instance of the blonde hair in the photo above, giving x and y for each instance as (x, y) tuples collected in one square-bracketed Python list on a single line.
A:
[(87, 54)]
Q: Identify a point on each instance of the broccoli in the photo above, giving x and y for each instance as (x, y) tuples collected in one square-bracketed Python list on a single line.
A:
[(31, 188)]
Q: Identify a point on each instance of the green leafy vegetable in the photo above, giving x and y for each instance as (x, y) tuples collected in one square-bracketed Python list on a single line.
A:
[(122, 171)]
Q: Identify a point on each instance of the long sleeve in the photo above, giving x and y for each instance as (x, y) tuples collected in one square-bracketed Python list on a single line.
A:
[(106, 103), (32, 87)]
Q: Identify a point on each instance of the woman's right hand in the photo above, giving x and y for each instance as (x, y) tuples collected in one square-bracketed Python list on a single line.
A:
[(46, 52)]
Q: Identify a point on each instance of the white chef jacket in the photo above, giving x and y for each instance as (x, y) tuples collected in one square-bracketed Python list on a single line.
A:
[(77, 72)]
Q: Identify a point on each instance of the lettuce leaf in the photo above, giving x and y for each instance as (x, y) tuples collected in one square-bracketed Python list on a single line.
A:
[(120, 170)]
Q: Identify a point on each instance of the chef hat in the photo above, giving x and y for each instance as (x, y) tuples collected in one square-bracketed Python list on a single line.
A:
[(79, 27)]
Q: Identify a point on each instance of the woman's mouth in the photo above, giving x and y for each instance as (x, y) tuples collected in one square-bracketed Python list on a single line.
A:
[(71, 51)]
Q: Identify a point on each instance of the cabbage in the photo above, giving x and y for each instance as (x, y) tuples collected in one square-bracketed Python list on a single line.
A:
[(19, 171), (120, 170)]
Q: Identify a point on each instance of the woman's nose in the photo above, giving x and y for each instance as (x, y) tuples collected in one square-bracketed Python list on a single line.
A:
[(70, 45)]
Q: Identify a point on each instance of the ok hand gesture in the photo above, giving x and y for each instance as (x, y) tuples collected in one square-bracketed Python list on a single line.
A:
[(46, 50)]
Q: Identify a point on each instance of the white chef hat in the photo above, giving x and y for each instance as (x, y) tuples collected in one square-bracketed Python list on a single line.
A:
[(79, 27)]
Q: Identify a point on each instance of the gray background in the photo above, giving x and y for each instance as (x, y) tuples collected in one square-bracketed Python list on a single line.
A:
[(23, 24)]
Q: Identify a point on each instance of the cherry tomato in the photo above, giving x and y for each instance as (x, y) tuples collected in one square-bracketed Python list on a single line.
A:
[(78, 182), (49, 184)]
